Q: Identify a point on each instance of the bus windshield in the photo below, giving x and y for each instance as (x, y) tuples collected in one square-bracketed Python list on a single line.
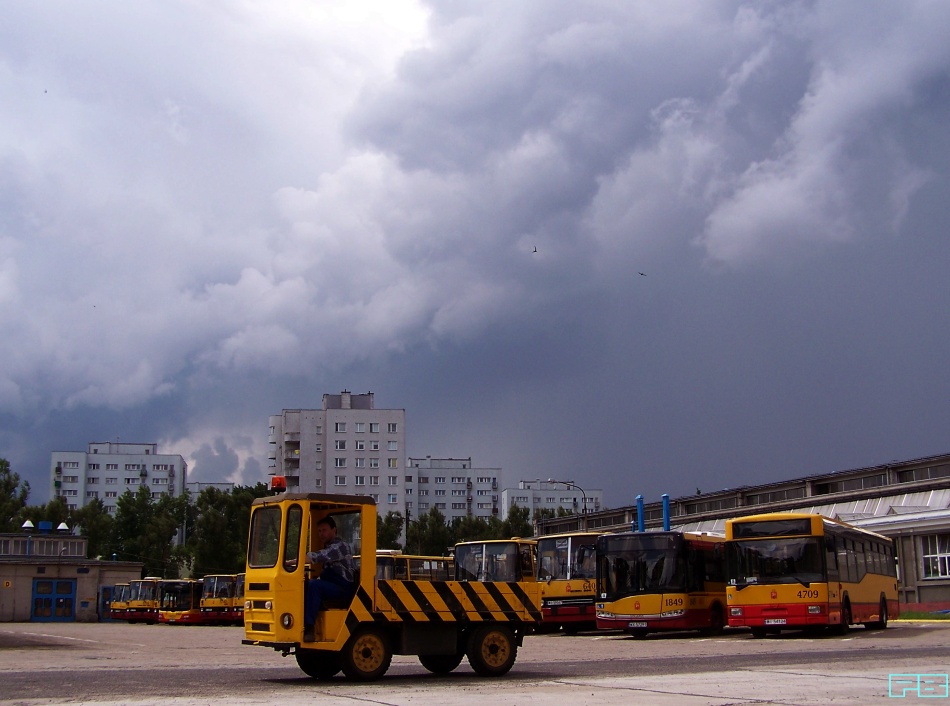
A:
[(640, 564), (785, 560), (564, 558)]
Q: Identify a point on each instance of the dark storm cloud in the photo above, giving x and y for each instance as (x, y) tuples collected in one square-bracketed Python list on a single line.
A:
[(452, 209)]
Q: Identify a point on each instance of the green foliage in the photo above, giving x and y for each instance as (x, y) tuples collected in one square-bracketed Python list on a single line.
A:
[(144, 530), (518, 523), (429, 535), (13, 497), (388, 530), (217, 542), (95, 524)]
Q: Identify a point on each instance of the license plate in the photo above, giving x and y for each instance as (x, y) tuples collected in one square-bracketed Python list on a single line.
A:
[(775, 621), (637, 625)]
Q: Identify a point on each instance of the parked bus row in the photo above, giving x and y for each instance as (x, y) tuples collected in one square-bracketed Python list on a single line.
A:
[(767, 572), (214, 600)]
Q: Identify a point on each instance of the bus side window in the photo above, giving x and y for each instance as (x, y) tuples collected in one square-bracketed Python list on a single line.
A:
[(831, 558)]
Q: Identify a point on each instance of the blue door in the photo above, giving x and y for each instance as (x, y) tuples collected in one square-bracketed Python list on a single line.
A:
[(54, 600)]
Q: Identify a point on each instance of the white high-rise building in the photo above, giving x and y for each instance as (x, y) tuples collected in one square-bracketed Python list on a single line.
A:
[(107, 469), (348, 447), (551, 495), (454, 488)]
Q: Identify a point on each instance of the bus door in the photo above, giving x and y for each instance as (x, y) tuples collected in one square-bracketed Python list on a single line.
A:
[(54, 600)]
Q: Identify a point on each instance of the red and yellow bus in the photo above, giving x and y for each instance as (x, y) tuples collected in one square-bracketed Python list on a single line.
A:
[(218, 599), (180, 602), (238, 612), (119, 605), (567, 572), (143, 600), (657, 581), (792, 570)]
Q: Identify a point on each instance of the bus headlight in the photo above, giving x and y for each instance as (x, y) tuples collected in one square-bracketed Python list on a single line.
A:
[(268, 605), (247, 606), (735, 612), (814, 610), (286, 621)]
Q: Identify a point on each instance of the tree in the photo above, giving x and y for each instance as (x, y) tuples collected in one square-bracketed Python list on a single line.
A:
[(429, 535), (388, 531), (13, 497), (543, 513), (144, 531), (518, 524), (469, 528), (95, 524)]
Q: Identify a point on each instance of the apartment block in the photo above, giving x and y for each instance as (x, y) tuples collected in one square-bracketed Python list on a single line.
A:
[(552, 495), (107, 469), (347, 447), (453, 487)]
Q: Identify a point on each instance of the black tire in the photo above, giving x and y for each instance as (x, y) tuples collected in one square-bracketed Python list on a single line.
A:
[(759, 633), (318, 664), (638, 633), (441, 664), (845, 625), (881, 623), (492, 650), (366, 655), (717, 622), (571, 628)]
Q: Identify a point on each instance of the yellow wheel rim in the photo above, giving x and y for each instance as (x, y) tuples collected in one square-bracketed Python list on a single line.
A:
[(368, 652), (495, 648)]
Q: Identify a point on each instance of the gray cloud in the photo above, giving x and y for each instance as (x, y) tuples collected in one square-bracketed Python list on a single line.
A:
[(349, 196)]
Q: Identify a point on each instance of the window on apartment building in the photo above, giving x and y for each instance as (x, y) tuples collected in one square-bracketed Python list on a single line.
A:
[(112, 466), (392, 445), (131, 481), (70, 464), (423, 479), (92, 481), (159, 481), (423, 491), (374, 463), (70, 493), (340, 444), (319, 482), (339, 462), (111, 481), (374, 445), (392, 498), (359, 427), (391, 427), (112, 494), (391, 463), (92, 494), (408, 491), (423, 506), (133, 466), (458, 506), (440, 506), (935, 551), (319, 448), (440, 491), (409, 479), (374, 427), (360, 445), (359, 480), (458, 479), (393, 480), (339, 427), (339, 480), (374, 480), (458, 491), (374, 496), (70, 479), (360, 462), (93, 466)]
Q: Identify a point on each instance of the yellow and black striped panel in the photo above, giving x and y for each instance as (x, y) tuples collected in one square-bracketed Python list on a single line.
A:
[(454, 601)]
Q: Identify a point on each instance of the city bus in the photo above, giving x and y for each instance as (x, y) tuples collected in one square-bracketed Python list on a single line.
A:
[(238, 612), (119, 605), (143, 600), (658, 581), (218, 599), (180, 602), (567, 572), (506, 560), (393, 564), (792, 570)]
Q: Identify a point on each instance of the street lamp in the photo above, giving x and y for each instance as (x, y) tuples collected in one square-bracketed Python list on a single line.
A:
[(572, 484)]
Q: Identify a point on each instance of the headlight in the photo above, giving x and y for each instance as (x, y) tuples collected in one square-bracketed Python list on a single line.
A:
[(287, 621), (735, 612), (247, 606), (268, 605)]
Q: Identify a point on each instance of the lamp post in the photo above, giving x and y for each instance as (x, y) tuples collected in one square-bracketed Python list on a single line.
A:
[(572, 484), (28, 528)]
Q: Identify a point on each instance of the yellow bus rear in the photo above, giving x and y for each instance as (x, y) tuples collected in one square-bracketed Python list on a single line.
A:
[(661, 581), (567, 572), (794, 570)]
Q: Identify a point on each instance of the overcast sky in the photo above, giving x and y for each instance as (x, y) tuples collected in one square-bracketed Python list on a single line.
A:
[(649, 247)]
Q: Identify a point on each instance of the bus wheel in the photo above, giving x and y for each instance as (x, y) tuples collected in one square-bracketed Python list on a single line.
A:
[(318, 664), (639, 633), (492, 650), (845, 625), (441, 664), (881, 623), (716, 622), (366, 655), (759, 633)]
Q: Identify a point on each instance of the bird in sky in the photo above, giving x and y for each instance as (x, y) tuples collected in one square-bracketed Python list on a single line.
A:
[(642, 274), (536, 248)]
